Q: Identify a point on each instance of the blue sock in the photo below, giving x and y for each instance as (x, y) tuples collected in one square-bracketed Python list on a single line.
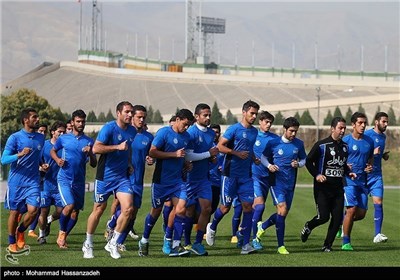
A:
[(113, 222), (246, 226), (70, 225), (188, 230), (166, 211), (64, 220), (124, 234), (378, 218), (217, 218), (270, 221), (148, 226), (280, 229), (257, 216), (237, 213), (179, 224)]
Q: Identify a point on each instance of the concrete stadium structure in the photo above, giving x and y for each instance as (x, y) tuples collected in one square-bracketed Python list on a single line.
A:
[(72, 85)]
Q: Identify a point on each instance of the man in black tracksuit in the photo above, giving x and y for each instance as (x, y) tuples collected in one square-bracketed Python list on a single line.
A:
[(327, 163)]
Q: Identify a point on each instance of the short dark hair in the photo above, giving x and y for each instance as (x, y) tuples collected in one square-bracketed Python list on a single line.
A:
[(357, 115), (173, 118), (139, 108), (78, 113), (266, 115), (249, 104), (201, 106), (56, 125), (121, 105), (25, 113), (337, 120), (185, 114), (290, 121), (379, 115)]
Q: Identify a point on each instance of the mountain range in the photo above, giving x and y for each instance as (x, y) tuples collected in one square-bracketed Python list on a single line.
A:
[(350, 36)]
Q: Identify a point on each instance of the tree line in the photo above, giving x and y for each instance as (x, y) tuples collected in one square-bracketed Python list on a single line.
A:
[(13, 104)]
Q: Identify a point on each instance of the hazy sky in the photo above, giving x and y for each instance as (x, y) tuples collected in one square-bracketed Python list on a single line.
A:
[(332, 34)]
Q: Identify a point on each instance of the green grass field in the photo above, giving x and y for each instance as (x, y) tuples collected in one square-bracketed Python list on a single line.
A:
[(224, 254)]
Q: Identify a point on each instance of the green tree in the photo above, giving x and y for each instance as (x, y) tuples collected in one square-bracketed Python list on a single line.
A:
[(157, 118), (13, 104), (373, 118), (110, 116), (216, 116), (91, 117), (349, 113), (306, 118), (150, 113), (328, 118), (279, 119), (177, 111), (298, 117), (230, 118), (337, 112), (361, 109), (392, 116), (101, 118)]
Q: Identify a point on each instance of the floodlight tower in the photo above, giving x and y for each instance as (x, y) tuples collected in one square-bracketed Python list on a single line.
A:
[(192, 11), (208, 26), (95, 12)]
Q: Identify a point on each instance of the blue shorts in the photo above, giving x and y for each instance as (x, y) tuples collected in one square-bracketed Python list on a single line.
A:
[(161, 193), (198, 189), (17, 197), (356, 196), (103, 189), (281, 194), (72, 194), (240, 187), (261, 186), (48, 198), (375, 186)]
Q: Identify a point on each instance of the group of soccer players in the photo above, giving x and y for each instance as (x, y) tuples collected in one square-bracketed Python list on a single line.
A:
[(195, 167)]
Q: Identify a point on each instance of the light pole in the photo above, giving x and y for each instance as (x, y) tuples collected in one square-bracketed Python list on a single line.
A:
[(80, 25), (318, 89)]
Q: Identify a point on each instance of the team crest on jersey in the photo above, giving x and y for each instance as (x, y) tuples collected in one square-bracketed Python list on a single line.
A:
[(295, 151), (119, 137), (376, 140), (280, 152), (200, 139), (344, 149), (144, 143), (258, 143), (175, 141), (332, 151), (39, 147), (355, 148), (244, 135)]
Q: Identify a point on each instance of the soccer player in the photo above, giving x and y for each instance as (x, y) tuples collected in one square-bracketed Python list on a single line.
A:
[(42, 128), (282, 156), (76, 151), (215, 171), (113, 143), (140, 157), (200, 151), (168, 148), (327, 163), (23, 151), (260, 172), (50, 194), (374, 179), (361, 151), (237, 145)]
